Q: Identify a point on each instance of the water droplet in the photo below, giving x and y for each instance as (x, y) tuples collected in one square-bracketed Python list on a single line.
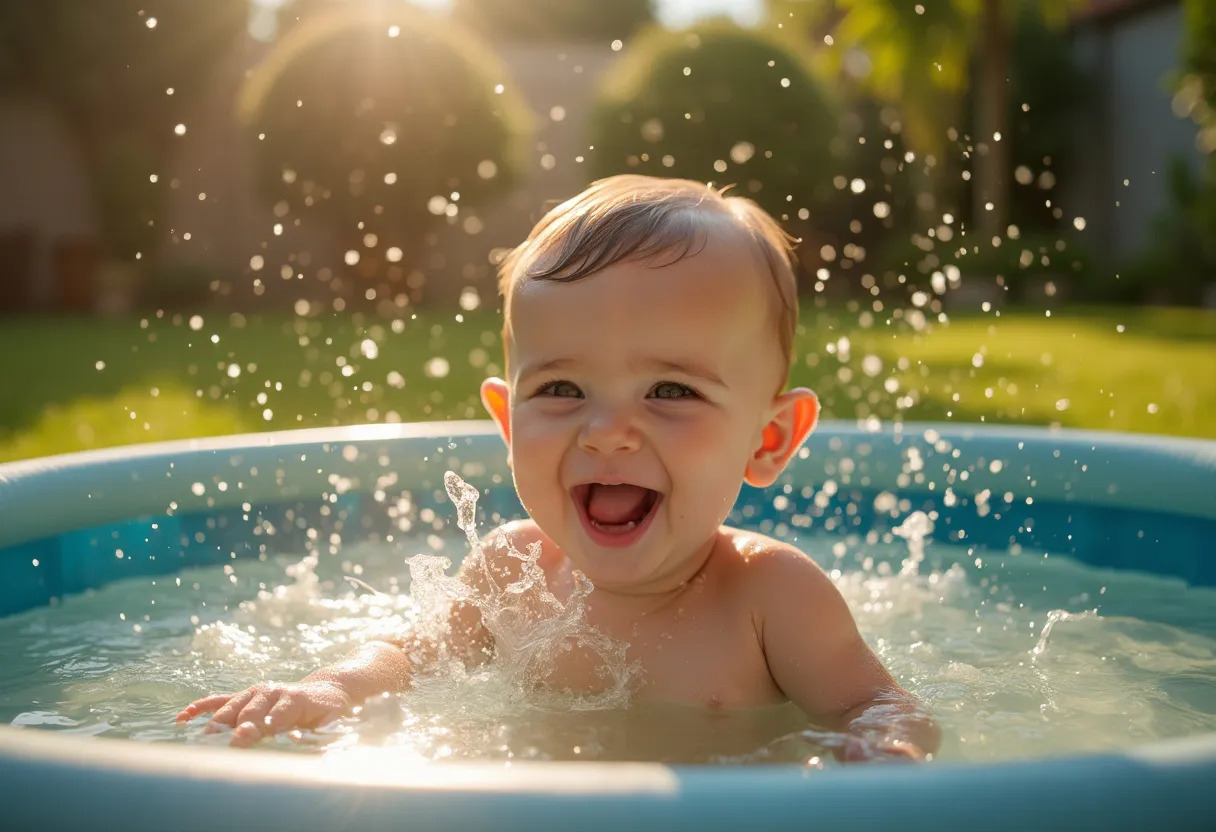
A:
[(742, 152), (437, 367)]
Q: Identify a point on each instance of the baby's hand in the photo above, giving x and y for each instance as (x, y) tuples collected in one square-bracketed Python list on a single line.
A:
[(865, 750), (264, 710)]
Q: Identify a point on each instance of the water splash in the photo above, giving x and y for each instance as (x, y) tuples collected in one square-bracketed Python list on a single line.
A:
[(1054, 617), (537, 637), (914, 529)]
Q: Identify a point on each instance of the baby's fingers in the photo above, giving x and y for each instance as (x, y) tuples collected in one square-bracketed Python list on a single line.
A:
[(227, 715), (286, 714), (206, 705), (255, 723), (245, 735)]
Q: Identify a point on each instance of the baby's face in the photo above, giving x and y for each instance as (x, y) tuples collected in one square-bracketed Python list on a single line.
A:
[(638, 395)]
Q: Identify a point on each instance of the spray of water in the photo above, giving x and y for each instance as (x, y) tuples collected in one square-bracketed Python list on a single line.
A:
[(914, 529), (536, 635)]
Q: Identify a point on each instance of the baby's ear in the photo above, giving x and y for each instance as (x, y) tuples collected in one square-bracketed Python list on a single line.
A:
[(496, 398), (794, 416)]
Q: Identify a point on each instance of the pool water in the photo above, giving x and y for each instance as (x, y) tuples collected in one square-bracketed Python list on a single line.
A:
[(1018, 654)]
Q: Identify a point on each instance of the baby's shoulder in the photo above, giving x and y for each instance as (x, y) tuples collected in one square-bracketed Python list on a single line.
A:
[(763, 568), (504, 548)]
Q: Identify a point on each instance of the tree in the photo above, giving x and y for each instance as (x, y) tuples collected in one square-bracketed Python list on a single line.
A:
[(1196, 95), (381, 119), (603, 20), (717, 103), (924, 56), (108, 65)]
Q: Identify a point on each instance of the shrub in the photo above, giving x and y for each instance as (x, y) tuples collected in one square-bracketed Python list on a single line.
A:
[(718, 103), (370, 117), (602, 20)]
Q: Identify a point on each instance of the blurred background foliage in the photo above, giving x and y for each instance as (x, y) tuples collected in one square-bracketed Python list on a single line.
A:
[(560, 20), (402, 117), (108, 79), (305, 178), (718, 103)]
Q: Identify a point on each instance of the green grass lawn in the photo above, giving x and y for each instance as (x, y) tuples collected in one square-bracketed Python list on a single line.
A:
[(73, 384)]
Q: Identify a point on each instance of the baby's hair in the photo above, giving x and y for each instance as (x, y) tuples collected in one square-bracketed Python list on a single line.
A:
[(634, 218)]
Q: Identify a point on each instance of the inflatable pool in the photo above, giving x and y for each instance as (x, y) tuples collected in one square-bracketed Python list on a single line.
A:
[(1106, 500)]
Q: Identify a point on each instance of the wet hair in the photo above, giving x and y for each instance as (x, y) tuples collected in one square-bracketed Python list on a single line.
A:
[(641, 218)]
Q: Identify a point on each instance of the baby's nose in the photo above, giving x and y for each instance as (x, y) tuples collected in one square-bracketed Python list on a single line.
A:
[(610, 431)]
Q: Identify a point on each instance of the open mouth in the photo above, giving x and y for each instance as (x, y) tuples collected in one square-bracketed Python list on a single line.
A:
[(615, 514)]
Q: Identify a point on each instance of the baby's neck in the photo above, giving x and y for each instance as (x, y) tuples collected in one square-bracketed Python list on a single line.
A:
[(653, 595)]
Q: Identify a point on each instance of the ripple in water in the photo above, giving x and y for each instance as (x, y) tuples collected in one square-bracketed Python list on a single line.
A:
[(1018, 654)]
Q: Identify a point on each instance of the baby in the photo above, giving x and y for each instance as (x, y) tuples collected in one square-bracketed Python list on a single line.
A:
[(649, 326)]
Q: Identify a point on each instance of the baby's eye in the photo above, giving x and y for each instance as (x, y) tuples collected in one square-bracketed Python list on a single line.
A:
[(561, 390), (672, 390)]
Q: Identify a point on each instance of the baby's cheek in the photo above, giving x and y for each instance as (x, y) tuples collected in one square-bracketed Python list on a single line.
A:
[(536, 477)]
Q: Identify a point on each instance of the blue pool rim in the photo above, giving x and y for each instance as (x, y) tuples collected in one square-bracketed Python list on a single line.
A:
[(1114, 500)]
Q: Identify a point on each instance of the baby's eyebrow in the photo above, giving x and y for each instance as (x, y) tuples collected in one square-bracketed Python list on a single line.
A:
[(688, 367), (545, 366)]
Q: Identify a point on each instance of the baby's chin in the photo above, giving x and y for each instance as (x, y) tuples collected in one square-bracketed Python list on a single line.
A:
[(640, 570)]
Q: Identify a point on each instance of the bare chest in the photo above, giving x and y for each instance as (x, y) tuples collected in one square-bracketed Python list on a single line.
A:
[(690, 654)]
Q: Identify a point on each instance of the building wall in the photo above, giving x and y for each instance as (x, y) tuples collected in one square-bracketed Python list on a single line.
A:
[(45, 203), (1129, 131)]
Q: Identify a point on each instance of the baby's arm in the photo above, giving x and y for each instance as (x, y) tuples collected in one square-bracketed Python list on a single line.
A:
[(332, 691), (820, 661), (321, 697)]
